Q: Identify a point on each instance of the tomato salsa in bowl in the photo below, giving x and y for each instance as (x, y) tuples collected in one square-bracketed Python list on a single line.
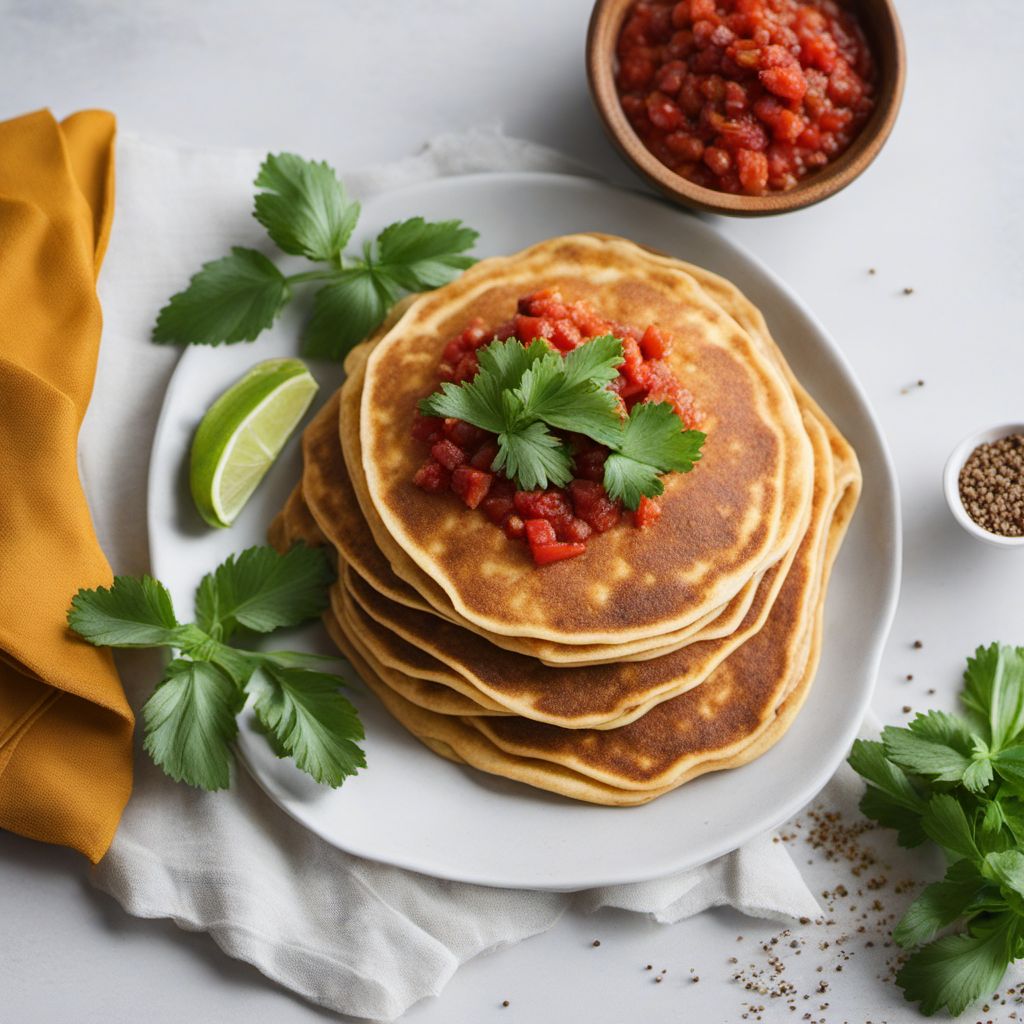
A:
[(747, 107)]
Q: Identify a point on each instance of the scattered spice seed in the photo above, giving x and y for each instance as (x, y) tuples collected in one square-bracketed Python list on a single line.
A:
[(910, 677), (504, 1002), (596, 942), (930, 691), (992, 486), (649, 967), (907, 709), (872, 271), (911, 387), (917, 645), (908, 291)]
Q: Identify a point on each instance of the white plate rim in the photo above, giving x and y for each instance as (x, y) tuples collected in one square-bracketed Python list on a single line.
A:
[(798, 797)]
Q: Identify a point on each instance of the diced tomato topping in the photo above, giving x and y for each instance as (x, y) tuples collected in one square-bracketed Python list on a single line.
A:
[(485, 455), (432, 477), (515, 528), (466, 368), (646, 512), (539, 532), (449, 455), (592, 504), (573, 530), (566, 336), (558, 552), (471, 485), (499, 501), (427, 428), (530, 328), (589, 463), (552, 504), (632, 362), (465, 435), (556, 522), (655, 344), (497, 508)]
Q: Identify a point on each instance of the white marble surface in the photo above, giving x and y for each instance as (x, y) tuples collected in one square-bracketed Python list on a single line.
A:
[(359, 82)]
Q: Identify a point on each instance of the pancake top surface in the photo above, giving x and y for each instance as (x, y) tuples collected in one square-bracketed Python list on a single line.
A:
[(733, 515)]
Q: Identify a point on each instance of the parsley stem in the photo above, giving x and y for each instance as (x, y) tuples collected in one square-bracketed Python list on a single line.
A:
[(312, 275)]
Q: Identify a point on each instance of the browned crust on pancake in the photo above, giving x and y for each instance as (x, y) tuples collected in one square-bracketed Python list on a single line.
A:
[(740, 719), (590, 696), (357, 540), (720, 524)]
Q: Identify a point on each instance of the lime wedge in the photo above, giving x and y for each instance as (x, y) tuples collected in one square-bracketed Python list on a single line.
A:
[(243, 432)]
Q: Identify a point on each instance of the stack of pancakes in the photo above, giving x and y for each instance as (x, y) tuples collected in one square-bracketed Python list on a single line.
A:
[(661, 653)]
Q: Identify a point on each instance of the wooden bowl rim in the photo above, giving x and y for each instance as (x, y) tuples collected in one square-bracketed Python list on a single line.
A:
[(827, 182)]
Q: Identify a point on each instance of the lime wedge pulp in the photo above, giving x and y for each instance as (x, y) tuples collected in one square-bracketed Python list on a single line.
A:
[(243, 432)]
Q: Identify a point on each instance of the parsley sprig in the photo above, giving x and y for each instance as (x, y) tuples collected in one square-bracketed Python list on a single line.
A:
[(959, 781), (190, 720), (522, 393), (307, 212)]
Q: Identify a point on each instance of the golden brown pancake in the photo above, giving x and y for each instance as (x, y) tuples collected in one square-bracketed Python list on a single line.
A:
[(717, 719), (334, 501), (592, 696), (741, 709), (465, 739), (735, 515), (443, 700)]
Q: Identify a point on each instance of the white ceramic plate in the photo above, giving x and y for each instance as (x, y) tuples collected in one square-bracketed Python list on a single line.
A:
[(411, 807)]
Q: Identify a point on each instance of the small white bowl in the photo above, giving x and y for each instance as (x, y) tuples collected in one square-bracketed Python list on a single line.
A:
[(951, 482)]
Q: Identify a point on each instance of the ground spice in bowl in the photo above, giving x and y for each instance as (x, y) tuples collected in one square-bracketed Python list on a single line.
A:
[(992, 486)]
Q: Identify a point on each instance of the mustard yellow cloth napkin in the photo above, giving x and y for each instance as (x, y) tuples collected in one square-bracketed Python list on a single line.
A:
[(65, 726)]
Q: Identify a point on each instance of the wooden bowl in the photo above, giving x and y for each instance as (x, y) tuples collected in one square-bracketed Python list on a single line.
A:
[(882, 28)]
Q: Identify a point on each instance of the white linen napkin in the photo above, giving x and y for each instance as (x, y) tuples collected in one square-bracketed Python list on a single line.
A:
[(359, 937)]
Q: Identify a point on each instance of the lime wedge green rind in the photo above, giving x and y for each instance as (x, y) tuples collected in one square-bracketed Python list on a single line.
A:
[(242, 434)]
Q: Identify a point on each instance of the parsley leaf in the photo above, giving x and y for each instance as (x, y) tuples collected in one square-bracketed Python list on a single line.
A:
[(417, 255), (956, 970), (890, 798), (1009, 764), (505, 362), (190, 723), (304, 208), (190, 717), (942, 727), (306, 211), (520, 391), (480, 401), (569, 394), (924, 756), (652, 444), (348, 309), (628, 480), (1006, 869), (132, 612), (868, 759), (533, 457), (994, 690), (597, 361), (979, 774), (263, 590), (947, 826), (309, 719), (958, 782), (230, 299), (940, 904)]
